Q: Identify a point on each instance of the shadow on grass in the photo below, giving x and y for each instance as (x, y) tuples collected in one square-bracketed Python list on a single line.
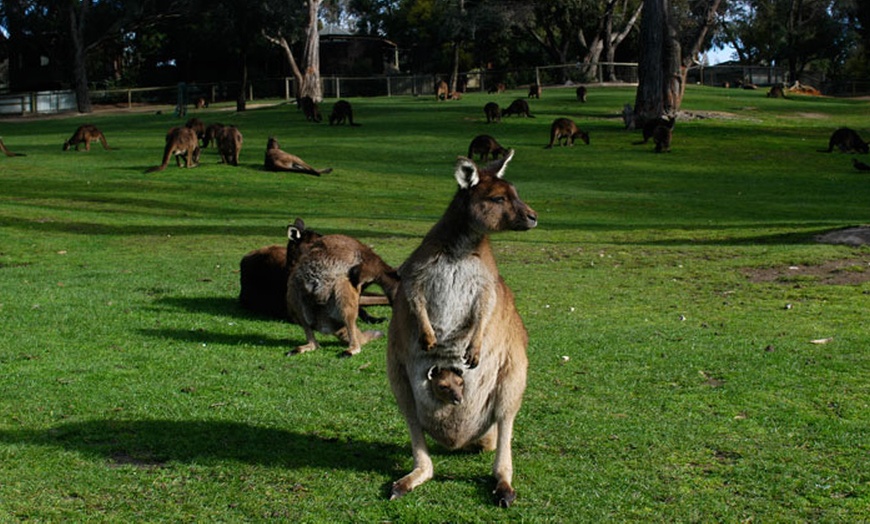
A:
[(156, 443)]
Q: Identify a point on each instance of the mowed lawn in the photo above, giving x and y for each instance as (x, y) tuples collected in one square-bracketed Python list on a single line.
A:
[(695, 355)]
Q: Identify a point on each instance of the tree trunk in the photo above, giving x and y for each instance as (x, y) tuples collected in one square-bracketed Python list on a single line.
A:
[(659, 90), (241, 100), (311, 84), (80, 72)]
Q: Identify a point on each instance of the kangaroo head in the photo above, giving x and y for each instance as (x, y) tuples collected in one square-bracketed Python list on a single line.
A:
[(492, 203)]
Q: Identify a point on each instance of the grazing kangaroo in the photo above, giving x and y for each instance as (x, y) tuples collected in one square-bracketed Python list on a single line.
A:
[(211, 134), (6, 151), (492, 112), (442, 90), (565, 129), (325, 283), (277, 160), (534, 91), (452, 306), (517, 107), (341, 111), (581, 94), (650, 126), (498, 88), (229, 144), (85, 134), (309, 109), (180, 141), (847, 141), (447, 384), (485, 145)]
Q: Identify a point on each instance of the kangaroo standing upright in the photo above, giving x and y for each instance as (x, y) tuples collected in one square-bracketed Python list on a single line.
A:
[(453, 308), (229, 143)]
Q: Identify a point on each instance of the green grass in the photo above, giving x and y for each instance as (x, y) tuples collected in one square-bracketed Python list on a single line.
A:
[(133, 388)]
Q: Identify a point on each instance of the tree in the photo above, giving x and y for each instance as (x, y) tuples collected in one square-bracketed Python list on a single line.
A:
[(307, 77)]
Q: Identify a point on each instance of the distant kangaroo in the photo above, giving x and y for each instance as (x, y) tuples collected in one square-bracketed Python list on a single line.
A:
[(85, 134), (442, 91), (229, 144), (211, 134), (198, 127), (565, 129), (662, 136), (498, 88), (534, 91), (6, 151), (309, 109), (581, 94), (325, 283), (277, 160), (341, 112), (517, 107), (452, 307), (485, 145), (492, 112), (847, 141), (180, 142), (650, 126)]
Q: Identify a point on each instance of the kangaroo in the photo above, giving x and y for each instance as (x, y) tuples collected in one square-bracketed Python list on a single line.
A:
[(535, 91), (211, 134), (277, 160), (447, 384), (485, 145), (847, 141), (492, 112), (565, 129), (776, 91), (201, 102), (498, 88), (198, 127), (442, 91), (309, 109), (324, 287), (229, 144), (264, 271), (650, 126), (342, 111), (518, 107), (85, 134), (452, 306), (662, 138), (180, 141), (6, 151), (581, 94)]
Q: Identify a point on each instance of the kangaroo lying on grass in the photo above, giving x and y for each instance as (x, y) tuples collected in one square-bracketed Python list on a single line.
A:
[(85, 134), (452, 307), (278, 160), (565, 129), (325, 282), (181, 142)]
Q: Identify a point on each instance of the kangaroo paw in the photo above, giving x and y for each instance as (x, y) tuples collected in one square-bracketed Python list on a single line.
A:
[(504, 495)]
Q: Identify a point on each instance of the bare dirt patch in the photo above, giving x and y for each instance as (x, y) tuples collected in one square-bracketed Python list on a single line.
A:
[(850, 271)]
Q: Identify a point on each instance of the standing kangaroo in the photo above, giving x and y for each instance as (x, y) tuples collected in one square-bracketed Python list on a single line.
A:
[(485, 145), (492, 112), (341, 111), (452, 307), (565, 129), (229, 144), (325, 283), (85, 134), (180, 141)]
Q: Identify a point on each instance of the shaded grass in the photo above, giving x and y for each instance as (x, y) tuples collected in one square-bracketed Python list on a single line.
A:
[(134, 388)]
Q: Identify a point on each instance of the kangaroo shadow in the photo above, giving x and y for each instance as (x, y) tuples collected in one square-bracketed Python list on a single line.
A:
[(156, 443)]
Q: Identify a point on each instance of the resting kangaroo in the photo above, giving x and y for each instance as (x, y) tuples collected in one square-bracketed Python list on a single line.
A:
[(341, 111), (492, 112), (229, 144), (452, 307), (485, 145), (180, 141), (565, 129), (277, 160), (325, 283), (846, 140), (517, 107), (85, 134)]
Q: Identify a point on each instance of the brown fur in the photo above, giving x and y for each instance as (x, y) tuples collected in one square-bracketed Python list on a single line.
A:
[(277, 160), (341, 111), (310, 109), (492, 112), (442, 90), (211, 134), (85, 134), (846, 140), (453, 307), (229, 144), (485, 145), (325, 283), (517, 107), (201, 103), (447, 384), (6, 151), (581, 94), (565, 129), (535, 91), (498, 88), (650, 126), (198, 127), (776, 91), (662, 138), (180, 142)]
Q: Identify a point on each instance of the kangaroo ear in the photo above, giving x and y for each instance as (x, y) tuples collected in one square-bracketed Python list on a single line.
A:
[(466, 173), (431, 372), (499, 166), (294, 231)]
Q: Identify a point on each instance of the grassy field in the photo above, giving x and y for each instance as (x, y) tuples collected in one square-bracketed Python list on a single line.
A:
[(695, 356)]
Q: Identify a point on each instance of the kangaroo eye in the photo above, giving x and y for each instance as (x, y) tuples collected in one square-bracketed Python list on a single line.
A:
[(497, 199)]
